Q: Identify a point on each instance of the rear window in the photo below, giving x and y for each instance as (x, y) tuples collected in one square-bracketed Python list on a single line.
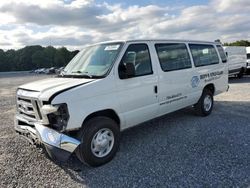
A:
[(173, 56), (204, 54), (222, 54)]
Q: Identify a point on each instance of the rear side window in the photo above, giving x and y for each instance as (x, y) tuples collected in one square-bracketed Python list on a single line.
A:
[(222, 54), (173, 56), (204, 54)]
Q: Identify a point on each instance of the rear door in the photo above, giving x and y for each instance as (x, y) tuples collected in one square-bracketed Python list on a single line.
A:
[(137, 95)]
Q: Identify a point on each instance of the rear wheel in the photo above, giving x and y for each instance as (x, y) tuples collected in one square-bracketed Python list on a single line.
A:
[(205, 104), (100, 138), (241, 73)]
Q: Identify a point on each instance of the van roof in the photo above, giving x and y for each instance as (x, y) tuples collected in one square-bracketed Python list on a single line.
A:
[(161, 40)]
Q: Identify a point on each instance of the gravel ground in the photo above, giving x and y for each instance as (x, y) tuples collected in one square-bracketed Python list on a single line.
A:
[(177, 150)]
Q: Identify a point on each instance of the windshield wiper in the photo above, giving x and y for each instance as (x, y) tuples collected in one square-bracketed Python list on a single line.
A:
[(61, 74), (84, 73), (78, 74)]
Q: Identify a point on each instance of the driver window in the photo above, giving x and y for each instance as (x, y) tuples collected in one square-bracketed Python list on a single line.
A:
[(138, 55)]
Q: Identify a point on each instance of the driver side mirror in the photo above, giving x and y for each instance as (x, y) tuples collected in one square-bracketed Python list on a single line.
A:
[(126, 70)]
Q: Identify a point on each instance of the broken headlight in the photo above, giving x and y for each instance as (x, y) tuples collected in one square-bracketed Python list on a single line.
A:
[(58, 115)]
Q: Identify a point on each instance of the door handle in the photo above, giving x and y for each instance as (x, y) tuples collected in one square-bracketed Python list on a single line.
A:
[(156, 89)]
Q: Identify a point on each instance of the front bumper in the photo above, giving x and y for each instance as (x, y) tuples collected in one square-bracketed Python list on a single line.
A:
[(58, 145)]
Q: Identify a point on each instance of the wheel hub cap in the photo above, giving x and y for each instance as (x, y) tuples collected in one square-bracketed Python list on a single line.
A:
[(102, 142), (207, 103)]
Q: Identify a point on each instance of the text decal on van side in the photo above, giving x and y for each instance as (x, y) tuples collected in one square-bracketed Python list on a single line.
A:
[(211, 76), (173, 98)]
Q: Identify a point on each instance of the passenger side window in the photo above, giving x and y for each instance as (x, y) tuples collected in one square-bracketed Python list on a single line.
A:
[(204, 54), (138, 55), (173, 56), (222, 54)]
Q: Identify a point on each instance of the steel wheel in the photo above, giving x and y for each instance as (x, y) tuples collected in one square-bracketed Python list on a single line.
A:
[(100, 137), (102, 142), (204, 106), (207, 102)]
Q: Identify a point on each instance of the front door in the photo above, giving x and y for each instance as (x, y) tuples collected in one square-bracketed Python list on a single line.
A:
[(137, 95)]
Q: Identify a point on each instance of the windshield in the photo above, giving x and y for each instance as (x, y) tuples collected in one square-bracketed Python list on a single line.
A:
[(248, 56), (93, 61)]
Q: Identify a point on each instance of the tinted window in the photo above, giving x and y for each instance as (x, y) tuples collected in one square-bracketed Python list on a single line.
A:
[(204, 54), (222, 54), (138, 54), (173, 56), (248, 56)]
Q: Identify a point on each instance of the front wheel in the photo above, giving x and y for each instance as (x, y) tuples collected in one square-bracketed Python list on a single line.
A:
[(100, 138), (205, 104)]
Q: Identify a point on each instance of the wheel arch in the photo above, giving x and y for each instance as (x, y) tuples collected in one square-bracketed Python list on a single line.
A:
[(105, 112), (210, 87)]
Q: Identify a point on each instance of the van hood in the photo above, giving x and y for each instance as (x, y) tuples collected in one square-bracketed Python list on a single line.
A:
[(48, 87)]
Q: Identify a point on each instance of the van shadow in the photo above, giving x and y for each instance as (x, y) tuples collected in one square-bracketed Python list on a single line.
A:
[(178, 149), (235, 80)]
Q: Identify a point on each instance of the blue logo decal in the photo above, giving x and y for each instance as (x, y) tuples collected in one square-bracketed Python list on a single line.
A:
[(195, 81)]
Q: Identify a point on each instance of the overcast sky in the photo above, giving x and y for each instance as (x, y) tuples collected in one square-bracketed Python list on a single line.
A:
[(75, 23)]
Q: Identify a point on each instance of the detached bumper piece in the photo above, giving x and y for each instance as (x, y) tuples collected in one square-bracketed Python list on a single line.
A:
[(58, 146)]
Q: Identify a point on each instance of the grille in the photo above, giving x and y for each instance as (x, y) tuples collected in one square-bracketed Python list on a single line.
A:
[(28, 109)]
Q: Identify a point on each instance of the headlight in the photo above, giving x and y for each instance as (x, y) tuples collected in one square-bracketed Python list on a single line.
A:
[(48, 109), (58, 115)]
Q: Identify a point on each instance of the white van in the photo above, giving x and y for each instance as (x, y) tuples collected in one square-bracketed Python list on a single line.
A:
[(236, 56), (248, 58), (111, 86)]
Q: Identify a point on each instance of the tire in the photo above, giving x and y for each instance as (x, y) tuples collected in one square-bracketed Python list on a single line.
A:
[(240, 75), (97, 146), (247, 71), (203, 107)]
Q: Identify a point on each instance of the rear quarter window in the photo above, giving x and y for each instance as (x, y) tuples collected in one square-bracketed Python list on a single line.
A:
[(204, 54), (222, 53)]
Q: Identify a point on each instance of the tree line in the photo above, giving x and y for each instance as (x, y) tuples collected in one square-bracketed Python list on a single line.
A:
[(34, 57), (238, 43)]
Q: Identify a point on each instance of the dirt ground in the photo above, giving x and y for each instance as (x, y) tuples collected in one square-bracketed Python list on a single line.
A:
[(177, 150)]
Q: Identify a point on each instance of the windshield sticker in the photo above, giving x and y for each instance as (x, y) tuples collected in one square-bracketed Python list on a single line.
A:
[(205, 51), (112, 47)]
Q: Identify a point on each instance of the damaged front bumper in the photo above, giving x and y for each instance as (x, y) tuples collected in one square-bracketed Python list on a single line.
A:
[(58, 145)]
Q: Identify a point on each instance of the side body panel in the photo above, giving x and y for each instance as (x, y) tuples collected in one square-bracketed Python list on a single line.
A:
[(236, 58), (89, 98), (216, 74)]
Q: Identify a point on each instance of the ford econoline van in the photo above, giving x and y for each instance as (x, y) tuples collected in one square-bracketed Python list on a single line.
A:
[(237, 58), (111, 86)]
